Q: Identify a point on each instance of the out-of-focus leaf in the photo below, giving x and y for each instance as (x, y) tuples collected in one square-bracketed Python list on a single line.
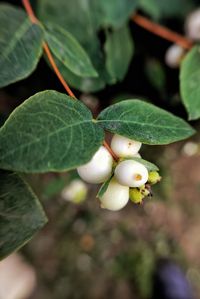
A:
[(21, 214), (68, 50), (119, 51), (190, 83), (155, 74), (163, 9)]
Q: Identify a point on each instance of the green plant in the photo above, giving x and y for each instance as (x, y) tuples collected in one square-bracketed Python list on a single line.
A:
[(52, 131)]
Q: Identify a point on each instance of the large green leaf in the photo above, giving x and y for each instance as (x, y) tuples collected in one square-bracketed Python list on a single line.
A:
[(119, 51), (68, 50), (20, 44), (190, 82), (21, 214), (49, 132), (144, 122)]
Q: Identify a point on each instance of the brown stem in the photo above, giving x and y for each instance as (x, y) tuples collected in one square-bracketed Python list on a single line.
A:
[(34, 19), (110, 151), (162, 31)]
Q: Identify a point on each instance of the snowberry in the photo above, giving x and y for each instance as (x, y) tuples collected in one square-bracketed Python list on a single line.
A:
[(125, 147), (192, 25), (115, 197), (98, 169), (174, 55), (131, 173)]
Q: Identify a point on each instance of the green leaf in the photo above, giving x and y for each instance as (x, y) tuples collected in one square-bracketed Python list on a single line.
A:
[(21, 214), (150, 166), (20, 45), (49, 132), (68, 50), (104, 187), (190, 82), (119, 52), (115, 12), (165, 9), (144, 122), (76, 16)]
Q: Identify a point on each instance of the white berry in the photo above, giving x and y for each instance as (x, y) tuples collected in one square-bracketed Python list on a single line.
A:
[(115, 197), (192, 25), (76, 191), (174, 55), (125, 147), (131, 173), (98, 169)]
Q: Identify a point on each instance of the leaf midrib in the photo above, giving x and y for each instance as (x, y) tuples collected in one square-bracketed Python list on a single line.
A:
[(143, 124)]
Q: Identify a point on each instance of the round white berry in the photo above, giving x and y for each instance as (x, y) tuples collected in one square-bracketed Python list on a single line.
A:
[(98, 169), (125, 147), (174, 55), (131, 173), (115, 197), (192, 25)]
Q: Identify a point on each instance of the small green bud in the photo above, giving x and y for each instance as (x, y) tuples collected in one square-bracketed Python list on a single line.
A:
[(154, 177), (136, 195)]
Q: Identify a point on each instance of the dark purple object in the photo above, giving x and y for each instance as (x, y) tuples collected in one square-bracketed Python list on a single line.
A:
[(170, 282)]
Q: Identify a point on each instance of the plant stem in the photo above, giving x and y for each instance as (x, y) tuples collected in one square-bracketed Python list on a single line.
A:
[(34, 20), (110, 151), (30, 11), (56, 70), (162, 31)]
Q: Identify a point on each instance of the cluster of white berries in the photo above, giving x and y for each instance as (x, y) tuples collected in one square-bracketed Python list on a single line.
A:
[(129, 176), (175, 53)]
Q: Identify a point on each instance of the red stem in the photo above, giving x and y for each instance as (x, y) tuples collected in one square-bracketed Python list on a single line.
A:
[(162, 31), (29, 11)]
